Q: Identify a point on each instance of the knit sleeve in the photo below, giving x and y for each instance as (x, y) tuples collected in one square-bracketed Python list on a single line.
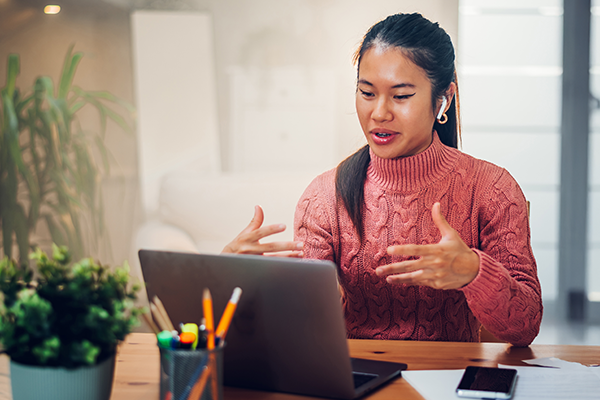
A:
[(506, 295), (314, 220)]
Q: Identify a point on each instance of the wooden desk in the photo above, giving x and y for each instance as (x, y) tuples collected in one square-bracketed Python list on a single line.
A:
[(137, 369), (138, 365)]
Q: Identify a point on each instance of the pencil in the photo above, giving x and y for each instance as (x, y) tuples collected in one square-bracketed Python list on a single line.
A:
[(228, 314), (210, 322), (214, 387), (159, 318), (163, 312), (150, 323), (200, 384)]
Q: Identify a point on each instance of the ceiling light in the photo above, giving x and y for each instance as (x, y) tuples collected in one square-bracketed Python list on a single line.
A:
[(51, 9)]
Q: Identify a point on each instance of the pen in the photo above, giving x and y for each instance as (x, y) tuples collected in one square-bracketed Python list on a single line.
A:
[(202, 337), (228, 314), (186, 340), (208, 314), (165, 339), (192, 328), (175, 340)]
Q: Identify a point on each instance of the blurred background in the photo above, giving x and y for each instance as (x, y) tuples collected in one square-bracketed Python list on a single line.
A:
[(234, 94)]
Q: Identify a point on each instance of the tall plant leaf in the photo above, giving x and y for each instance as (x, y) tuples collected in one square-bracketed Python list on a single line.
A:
[(68, 72), (21, 233), (12, 71), (55, 231), (46, 157)]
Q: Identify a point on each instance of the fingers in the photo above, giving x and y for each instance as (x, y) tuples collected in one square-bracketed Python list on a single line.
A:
[(411, 249), (273, 247), (260, 233), (257, 220), (409, 278), (287, 254), (440, 221), (248, 241), (399, 268)]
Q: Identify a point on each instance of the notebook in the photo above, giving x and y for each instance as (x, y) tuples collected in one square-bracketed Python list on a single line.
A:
[(288, 333)]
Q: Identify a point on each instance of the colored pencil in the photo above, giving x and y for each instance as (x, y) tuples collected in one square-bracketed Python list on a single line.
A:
[(200, 384), (161, 309), (210, 322), (159, 318), (228, 315), (150, 323)]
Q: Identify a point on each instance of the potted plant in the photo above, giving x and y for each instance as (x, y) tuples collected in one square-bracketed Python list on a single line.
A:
[(61, 329), (51, 161)]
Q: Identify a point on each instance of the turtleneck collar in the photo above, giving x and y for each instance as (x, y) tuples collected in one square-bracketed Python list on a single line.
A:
[(415, 172)]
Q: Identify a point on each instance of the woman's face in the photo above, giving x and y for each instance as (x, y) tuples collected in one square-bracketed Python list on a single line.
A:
[(393, 102)]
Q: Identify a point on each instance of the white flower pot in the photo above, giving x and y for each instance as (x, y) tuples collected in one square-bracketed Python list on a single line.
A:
[(50, 383)]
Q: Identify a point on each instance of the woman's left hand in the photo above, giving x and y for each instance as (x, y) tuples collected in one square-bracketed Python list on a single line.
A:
[(449, 264)]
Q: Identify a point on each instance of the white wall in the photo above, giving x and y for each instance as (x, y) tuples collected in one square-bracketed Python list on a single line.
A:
[(510, 67), (285, 76), (175, 97), (283, 82), (593, 267)]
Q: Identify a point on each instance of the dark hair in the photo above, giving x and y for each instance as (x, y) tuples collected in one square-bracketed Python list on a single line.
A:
[(430, 48)]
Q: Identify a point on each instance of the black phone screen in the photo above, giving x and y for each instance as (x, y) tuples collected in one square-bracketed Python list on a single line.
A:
[(499, 380)]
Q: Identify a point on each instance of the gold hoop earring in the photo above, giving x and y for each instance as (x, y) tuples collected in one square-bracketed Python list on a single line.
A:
[(443, 120)]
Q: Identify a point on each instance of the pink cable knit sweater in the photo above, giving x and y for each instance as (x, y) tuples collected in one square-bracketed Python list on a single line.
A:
[(480, 200)]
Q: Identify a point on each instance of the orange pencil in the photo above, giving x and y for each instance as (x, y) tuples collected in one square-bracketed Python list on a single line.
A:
[(228, 315), (200, 384), (210, 342), (208, 315)]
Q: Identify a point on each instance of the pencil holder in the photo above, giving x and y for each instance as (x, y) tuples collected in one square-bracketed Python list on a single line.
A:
[(191, 374)]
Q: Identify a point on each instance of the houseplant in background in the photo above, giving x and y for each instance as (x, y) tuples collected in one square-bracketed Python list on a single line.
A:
[(48, 171), (62, 328)]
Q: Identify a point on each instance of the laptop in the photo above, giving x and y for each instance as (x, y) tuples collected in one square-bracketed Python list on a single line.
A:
[(288, 333)]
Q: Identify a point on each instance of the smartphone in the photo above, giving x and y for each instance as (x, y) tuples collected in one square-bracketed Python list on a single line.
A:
[(487, 383)]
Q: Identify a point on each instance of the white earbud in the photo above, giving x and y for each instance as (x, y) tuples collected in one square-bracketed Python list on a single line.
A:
[(442, 108)]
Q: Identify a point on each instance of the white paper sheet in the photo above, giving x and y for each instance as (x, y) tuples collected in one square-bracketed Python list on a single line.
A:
[(435, 384), (556, 383), (565, 381), (554, 363)]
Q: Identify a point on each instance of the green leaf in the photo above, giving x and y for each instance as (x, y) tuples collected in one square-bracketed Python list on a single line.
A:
[(118, 119), (113, 99), (16, 154), (11, 122), (22, 104), (68, 72), (48, 350), (43, 88), (55, 231), (12, 70), (22, 233), (8, 191), (76, 106), (7, 233), (103, 153)]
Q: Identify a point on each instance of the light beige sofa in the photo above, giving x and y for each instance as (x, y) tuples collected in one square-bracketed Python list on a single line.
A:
[(202, 213)]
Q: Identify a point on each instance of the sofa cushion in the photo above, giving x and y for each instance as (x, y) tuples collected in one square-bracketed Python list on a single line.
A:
[(214, 209)]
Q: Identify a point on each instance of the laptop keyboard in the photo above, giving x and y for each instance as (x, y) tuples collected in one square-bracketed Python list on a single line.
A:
[(362, 378)]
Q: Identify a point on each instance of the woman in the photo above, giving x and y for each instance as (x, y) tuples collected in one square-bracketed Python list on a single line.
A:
[(430, 243)]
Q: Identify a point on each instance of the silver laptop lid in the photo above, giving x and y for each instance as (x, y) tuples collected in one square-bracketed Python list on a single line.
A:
[(288, 333)]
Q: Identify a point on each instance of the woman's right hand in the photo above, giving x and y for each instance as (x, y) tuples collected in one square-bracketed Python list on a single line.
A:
[(248, 241)]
